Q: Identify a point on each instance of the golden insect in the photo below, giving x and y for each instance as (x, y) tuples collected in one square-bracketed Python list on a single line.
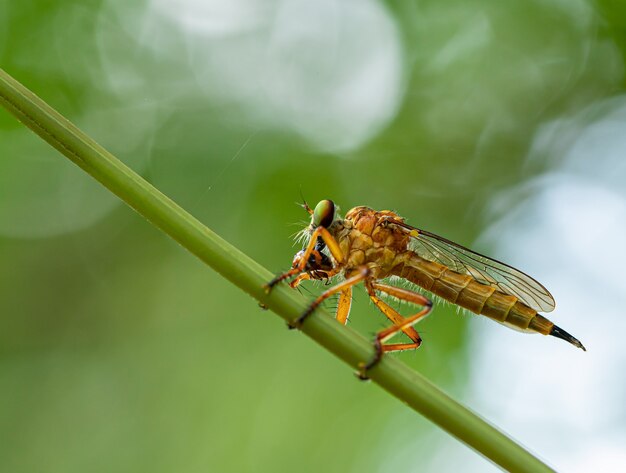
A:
[(369, 246)]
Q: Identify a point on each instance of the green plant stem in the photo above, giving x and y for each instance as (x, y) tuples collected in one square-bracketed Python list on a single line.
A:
[(391, 374)]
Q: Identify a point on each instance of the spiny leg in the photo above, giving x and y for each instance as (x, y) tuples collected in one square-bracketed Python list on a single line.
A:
[(402, 324), (343, 307), (345, 298), (301, 277), (405, 322), (308, 275), (391, 313), (348, 283), (331, 243), (396, 318)]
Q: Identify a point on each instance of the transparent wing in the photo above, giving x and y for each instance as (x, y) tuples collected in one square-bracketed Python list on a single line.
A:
[(485, 270)]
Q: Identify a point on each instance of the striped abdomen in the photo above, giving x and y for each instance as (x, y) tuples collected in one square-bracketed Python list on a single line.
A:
[(465, 291)]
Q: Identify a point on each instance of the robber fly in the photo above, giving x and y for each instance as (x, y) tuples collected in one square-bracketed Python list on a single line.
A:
[(369, 246)]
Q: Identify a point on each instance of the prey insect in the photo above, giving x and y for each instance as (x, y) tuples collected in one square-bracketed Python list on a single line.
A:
[(368, 246)]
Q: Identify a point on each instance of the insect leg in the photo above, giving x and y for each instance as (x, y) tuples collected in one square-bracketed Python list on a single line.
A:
[(301, 277), (391, 313), (400, 323), (343, 308), (348, 283), (332, 245), (304, 276), (281, 277)]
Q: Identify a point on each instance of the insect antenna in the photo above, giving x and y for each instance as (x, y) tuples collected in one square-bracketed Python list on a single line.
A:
[(304, 205)]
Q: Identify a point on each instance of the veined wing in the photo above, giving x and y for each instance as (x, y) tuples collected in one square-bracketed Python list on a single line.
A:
[(485, 270)]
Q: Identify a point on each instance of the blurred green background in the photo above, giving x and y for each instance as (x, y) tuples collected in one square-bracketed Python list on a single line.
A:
[(501, 125)]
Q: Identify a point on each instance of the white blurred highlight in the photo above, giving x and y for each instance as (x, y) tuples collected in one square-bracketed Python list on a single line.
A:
[(331, 70), (215, 17), (569, 234)]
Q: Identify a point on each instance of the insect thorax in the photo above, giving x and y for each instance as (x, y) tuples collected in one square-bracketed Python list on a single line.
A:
[(367, 237)]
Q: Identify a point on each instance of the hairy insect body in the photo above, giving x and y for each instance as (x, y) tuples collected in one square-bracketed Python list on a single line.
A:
[(367, 238), (368, 246), (466, 292)]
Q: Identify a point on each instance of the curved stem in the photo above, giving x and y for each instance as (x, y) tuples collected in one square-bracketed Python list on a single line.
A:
[(391, 374)]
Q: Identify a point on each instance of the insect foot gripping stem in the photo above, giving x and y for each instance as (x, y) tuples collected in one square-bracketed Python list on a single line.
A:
[(297, 324), (558, 332), (363, 367)]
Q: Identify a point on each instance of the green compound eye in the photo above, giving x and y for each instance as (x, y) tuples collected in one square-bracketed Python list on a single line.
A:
[(324, 213)]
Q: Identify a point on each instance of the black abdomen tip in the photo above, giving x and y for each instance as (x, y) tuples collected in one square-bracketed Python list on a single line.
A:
[(558, 332)]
